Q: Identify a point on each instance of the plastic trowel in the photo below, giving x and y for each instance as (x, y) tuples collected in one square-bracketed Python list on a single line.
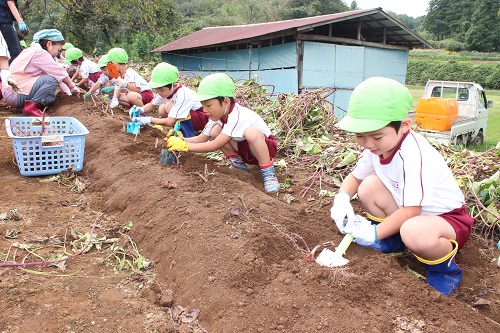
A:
[(330, 258), (133, 127), (168, 157)]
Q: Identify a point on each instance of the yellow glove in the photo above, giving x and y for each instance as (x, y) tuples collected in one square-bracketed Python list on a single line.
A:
[(175, 143), (178, 134)]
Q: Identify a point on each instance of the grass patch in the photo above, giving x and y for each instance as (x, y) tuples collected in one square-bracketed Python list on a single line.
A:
[(493, 129), (416, 92)]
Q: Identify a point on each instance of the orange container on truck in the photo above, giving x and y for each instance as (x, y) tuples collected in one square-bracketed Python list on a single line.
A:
[(436, 113), (452, 112)]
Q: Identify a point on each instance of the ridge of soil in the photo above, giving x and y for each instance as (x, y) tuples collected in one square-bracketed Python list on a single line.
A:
[(226, 256)]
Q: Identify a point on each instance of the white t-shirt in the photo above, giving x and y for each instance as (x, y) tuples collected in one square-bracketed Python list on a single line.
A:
[(183, 102), (416, 175), (132, 76), (4, 49), (88, 67), (103, 79), (238, 120)]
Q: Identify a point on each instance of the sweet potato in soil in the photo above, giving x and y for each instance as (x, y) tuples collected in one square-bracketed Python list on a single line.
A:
[(226, 256)]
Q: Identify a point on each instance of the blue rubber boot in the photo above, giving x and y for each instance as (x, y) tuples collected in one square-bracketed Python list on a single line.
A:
[(391, 244), (271, 183), (237, 162), (443, 274)]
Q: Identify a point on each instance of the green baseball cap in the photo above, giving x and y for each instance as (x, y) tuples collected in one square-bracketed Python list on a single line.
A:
[(23, 43), (118, 55), (215, 85), (73, 54), (163, 74), (374, 103), (67, 46), (103, 61)]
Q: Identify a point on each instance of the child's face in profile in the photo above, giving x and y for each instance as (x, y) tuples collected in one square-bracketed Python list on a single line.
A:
[(383, 141), (164, 91), (215, 109)]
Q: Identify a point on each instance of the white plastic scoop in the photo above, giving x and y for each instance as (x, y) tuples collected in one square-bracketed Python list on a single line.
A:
[(335, 259)]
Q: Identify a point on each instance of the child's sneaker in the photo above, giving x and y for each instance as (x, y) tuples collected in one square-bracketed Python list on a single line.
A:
[(237, 162), (271, 183)]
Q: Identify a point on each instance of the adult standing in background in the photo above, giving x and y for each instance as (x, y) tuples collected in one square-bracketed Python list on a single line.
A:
[(9, 14), (5, 75)]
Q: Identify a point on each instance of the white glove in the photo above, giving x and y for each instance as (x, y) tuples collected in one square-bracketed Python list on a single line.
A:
[(142, 120), (121, 82), (75, 90), (136, 111), (8, 80), (341, 208), (363, 230), (114, 103)]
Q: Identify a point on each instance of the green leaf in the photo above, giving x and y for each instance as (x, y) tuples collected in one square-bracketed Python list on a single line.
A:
[(348, 159)]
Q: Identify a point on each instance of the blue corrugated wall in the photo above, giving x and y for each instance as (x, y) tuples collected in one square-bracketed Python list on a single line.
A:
[(339, 66)]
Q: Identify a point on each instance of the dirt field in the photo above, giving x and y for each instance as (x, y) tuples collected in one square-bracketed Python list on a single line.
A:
[(209, 251)]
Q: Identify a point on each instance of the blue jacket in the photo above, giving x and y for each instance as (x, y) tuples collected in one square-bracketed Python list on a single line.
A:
[(6, 16)]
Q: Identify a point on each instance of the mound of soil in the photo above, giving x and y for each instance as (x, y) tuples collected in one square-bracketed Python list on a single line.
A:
[(199, 247)]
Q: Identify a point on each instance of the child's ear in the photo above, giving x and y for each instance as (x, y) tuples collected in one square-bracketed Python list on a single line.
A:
[(405, 124)]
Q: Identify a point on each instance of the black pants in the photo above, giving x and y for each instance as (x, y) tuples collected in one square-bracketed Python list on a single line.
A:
[(10, 36)]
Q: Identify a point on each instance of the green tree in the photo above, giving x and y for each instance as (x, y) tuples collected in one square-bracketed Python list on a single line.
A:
[(97, 26), (438, 17), (304, 8), (483, 33)]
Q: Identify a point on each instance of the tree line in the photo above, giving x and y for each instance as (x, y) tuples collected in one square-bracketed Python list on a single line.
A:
[(141, 25)]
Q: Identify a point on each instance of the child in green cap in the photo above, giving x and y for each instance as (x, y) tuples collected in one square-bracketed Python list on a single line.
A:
[(175, 102), (61, 58), (87, 70), (409, 193), (240, 133), (103, 81), (132, 89)]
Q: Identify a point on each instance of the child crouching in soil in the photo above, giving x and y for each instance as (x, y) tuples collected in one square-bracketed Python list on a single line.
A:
[(404, 184), (130, 87), (175, 102), (239, 132), (104, 80), (87, 70)]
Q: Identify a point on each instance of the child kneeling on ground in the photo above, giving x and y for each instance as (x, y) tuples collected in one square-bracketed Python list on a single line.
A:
[(404, 184), (239, 132), (175, 102)]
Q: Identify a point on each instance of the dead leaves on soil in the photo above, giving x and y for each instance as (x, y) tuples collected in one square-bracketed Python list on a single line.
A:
[(186, 317), (67, 178)]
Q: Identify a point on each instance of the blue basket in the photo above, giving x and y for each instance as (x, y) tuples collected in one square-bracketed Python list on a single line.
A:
[(60, 147)]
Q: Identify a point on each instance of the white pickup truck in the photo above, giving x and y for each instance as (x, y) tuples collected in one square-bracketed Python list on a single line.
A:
[(452, 112)]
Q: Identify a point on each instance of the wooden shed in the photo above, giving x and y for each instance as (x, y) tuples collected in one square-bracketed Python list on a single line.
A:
[(337, 50)]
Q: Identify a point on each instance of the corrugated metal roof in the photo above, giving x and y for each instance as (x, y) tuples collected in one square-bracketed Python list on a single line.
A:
[(397, 33)]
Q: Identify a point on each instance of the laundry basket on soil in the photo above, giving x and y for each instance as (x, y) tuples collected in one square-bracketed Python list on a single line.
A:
[(49, 148)]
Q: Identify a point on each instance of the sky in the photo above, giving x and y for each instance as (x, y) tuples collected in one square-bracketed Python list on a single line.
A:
[(412, 8)]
